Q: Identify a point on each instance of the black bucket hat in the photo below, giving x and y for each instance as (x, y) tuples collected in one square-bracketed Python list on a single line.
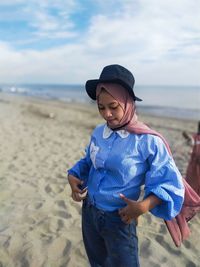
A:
[(113, 74)]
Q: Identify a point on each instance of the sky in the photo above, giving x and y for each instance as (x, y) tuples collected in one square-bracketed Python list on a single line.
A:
[(70, 41)]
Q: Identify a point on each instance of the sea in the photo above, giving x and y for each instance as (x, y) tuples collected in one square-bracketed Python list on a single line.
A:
[(169, 101)]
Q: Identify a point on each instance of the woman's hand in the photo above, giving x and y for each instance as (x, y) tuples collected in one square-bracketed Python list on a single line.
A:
[(134, 209), (78, 196), (75, 183)]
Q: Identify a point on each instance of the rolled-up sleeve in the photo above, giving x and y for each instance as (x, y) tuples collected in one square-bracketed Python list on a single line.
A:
[(164, 180)]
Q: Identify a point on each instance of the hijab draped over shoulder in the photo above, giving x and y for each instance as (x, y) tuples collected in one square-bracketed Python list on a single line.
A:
[(178, 226)]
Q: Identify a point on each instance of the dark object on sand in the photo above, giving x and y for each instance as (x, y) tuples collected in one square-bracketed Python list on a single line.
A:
[(193, 169), (188, 138)]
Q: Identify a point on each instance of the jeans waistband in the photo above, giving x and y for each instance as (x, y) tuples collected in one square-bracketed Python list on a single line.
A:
[(89, 203)]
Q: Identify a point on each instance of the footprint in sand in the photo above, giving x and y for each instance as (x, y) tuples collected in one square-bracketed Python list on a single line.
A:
[(7, 242), (59, 248), (24, 262), (190, 264), (145, 248), (48, 189), (148, 218), (162, 242), (61, 203), (162, 229), (60, 224), (46, 238), (67, 248), (62, 214), (187, 244), (80, 250), (54, 189), (56, 225), (38, 205)]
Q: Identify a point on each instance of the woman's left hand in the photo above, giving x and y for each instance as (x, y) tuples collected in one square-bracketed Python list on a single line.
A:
[(132, 211)]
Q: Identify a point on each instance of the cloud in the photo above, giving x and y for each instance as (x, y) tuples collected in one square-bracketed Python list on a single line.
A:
[(63, 65), (74, 64), (52, 19), (158, 40), (151, 32), (41, 19)]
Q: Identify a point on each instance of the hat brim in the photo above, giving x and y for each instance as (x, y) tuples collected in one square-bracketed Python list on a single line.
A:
[(91, 86)]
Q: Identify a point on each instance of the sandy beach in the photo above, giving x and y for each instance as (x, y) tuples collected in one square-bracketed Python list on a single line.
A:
[(40, 225)]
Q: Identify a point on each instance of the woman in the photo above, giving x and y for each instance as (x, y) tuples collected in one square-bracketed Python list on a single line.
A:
[(123, 155)]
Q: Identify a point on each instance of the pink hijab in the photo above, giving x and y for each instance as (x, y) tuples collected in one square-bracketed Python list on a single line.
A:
[(178, 226), (129, 121)]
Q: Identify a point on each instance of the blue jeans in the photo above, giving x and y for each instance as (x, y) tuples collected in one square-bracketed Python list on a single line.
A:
[(108, 241)]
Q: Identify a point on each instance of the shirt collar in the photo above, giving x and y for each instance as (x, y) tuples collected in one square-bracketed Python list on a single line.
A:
[(107, 132)]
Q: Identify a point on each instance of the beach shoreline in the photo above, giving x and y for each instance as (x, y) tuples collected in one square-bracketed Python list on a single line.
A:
[(40, 224)]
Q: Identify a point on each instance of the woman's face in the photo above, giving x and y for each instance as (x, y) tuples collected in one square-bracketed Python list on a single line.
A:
[(110, 109)]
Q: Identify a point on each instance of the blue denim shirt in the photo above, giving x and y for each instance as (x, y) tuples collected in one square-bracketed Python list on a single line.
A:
[(121, 162)]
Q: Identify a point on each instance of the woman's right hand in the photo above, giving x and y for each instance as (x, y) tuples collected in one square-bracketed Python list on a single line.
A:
[(75, 183)]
